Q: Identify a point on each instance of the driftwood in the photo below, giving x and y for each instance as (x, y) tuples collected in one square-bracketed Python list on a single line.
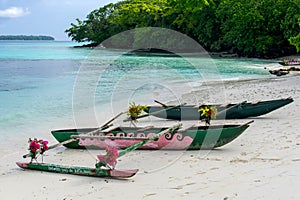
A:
[(279, 72), (284, 71)]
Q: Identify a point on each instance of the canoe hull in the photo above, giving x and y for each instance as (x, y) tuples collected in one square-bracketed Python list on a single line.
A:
[(83, 171), (243, 111), (192, 139)]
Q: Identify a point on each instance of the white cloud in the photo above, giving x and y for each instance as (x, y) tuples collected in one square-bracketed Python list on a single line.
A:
[(13, 12)]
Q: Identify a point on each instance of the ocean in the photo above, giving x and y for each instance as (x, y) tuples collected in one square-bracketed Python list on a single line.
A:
[(48, 85)]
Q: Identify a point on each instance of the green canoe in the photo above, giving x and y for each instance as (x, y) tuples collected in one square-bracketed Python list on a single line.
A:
[(245, 110), (194, 138)]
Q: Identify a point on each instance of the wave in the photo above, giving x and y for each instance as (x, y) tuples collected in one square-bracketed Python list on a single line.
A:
[(9, 89)]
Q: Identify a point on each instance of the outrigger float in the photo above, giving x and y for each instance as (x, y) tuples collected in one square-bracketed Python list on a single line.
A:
[(75, 170)]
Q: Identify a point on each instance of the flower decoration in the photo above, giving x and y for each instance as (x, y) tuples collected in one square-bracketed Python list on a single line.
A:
[(44, 145), (207, 113), (34, 146), (37, 147), (135, 110), (109, 159)]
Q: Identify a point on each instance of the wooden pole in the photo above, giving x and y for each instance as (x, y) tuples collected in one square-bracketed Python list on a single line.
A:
[(104, 126), (164, 105), (247, 123), (108, 137), (111, 120)]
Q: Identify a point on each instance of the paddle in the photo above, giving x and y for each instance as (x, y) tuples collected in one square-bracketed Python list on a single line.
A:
[(148, 114), (104, 126)]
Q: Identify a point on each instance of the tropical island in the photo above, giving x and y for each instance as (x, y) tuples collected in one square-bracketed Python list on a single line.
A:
[(258, 28), (25, 37)]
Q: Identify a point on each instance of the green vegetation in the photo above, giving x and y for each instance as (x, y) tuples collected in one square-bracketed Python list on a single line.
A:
[(25, 37), (296, 40), (256, 28)]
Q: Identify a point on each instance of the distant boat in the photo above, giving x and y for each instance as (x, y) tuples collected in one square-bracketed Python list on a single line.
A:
[(290, 62), (244, 110)]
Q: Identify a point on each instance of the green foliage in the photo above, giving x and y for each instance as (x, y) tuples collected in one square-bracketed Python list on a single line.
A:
[(257, 27), (25, 37), (251, 28), (95, 28), (185, 13), (296, 40), (207, 32), (139, 13)]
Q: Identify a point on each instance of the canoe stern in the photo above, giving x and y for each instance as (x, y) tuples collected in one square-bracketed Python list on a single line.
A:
[(215, 138)]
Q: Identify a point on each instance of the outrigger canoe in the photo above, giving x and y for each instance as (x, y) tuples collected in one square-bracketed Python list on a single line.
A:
[(105, 167), (192, 138), (242, 111)]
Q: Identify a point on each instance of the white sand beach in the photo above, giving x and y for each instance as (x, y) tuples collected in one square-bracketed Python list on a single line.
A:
[(263, 163)]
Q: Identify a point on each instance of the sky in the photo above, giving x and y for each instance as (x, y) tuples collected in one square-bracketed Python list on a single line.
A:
[(44, 17)]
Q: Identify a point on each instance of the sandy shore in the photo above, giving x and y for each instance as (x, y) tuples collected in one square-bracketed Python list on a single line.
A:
[(263, 163)]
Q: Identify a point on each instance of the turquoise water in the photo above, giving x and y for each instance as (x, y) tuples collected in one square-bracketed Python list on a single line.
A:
[(42, 83), (30, 50)]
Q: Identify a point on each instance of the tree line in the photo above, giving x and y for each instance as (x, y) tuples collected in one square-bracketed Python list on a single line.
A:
[(25, 37), (256, 28)]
